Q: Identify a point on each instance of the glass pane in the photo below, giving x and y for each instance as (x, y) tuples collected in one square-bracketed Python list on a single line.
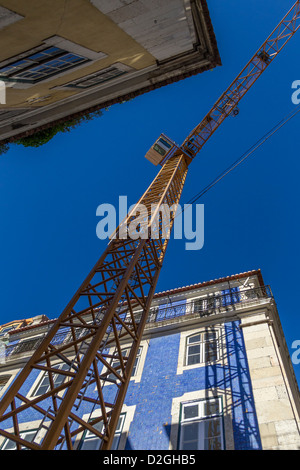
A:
[(13, 67), (212, 428), (190, 436), (98, 426), (210, 335), (211, 407), (189, 445), (9, 445), (194, 339), (194, 349), (190, 432), (91, 444), (211, 438), (159, 150), (190, 411), (135, 367), (119, 425), (115, 442), (59, 378), (45, 53), (211, 352), (27, 436), (213, 444), (43, 386), (195, 359), (165, 143)]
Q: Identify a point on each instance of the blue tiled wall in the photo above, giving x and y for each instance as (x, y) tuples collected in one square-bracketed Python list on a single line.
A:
[(153, 395), (150, 428)]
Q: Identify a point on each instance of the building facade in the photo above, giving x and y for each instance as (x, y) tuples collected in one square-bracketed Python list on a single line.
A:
[(212, 372), (61, 60)]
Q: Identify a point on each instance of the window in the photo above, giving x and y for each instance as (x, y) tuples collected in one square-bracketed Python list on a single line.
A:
[(97, 78), (201, 425), (40, 65), (159, 149), (116, 363), (11, 445), (3, 381), (44, 384), (202, 347), (165, 143), (92, 442)]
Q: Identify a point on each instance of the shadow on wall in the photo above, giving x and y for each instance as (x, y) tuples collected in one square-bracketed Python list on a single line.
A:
[(244, 419)]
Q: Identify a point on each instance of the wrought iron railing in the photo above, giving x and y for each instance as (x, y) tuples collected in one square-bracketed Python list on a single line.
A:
[(203, 306), (26, 346), (210, 304)]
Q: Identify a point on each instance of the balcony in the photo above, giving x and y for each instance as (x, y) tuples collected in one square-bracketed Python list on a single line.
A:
[(210, 304), (204, 306), (26, 347)]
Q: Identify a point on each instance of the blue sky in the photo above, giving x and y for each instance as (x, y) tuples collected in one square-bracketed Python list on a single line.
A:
[(49, 196)]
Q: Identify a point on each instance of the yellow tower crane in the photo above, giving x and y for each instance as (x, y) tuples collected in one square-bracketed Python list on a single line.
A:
[(102, 313)]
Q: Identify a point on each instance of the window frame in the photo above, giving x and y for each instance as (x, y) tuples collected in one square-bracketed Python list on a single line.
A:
[(14, 75), (22, 436), (200, 419), (95, 78), (88, 436), (44, 375), (3, 385), (78, 83), (126, 350), (203, 345)]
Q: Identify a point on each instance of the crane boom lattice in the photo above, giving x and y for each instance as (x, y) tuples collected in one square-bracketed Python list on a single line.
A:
[(227, 104), (98, 318)]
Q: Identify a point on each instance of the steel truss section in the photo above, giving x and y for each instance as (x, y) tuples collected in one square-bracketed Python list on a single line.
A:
[(227, 103), (99, 318)]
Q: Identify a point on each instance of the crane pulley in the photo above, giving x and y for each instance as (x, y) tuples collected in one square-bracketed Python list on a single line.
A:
[(112, 304)]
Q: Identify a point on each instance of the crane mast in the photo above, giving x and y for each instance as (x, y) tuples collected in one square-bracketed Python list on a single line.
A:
[(83, 351)]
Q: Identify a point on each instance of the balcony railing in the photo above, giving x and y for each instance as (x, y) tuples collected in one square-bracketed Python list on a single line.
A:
[(26, 346), (203, 306), (210, 304)]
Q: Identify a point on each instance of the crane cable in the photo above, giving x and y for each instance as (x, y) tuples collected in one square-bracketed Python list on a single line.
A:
[(241, 159)]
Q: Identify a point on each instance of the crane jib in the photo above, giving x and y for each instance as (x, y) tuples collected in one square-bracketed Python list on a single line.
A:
[(227, 103)]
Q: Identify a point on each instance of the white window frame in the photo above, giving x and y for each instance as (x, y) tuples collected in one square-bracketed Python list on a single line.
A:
[(199, 420), (57, 41), (139, 366), (76, 84), (127, 412), (125, 353), (221, 347), (197, 395), (9, 378), (88, 436), (38, 382), (23, 435), (201, 345)]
